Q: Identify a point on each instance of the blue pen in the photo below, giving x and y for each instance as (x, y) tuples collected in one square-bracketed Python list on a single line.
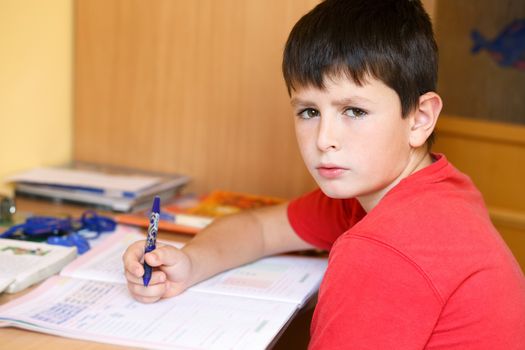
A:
[(152, 237)]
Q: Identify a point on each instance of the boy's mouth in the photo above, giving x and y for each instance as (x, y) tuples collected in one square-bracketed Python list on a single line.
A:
[(330, 171)]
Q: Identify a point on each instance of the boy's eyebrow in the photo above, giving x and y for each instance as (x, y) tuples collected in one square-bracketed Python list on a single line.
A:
[(351, 100), (294, 101)]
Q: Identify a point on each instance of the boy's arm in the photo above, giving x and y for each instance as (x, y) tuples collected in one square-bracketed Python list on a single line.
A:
[(228, 242), (235, 240)]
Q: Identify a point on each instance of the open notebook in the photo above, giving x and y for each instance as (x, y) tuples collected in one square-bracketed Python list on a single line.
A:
[(243, 308)]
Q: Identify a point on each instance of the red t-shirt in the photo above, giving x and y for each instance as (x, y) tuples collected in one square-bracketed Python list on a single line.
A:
[(424, 269)]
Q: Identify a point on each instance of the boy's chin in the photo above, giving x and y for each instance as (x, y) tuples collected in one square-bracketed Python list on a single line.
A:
[(334, 192)]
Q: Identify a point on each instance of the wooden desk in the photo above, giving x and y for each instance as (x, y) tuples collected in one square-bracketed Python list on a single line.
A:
[(294, 337)]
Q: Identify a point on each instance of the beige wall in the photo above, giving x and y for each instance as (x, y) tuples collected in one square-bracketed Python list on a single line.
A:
[(35, 84)]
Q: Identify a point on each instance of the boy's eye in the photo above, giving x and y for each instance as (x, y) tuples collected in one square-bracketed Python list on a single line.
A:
[(308, 113), (355, 113)]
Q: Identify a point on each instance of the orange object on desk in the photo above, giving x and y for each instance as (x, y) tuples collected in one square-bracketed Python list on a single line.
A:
[(190, 214)]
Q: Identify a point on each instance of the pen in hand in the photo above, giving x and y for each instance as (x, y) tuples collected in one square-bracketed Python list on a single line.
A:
[(152, 237)]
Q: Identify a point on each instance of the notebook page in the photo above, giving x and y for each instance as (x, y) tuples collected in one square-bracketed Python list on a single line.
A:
[(104, 262), (285, 278), (105, 312)]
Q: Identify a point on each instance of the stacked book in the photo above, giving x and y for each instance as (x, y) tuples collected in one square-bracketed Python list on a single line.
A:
[(117, 189)]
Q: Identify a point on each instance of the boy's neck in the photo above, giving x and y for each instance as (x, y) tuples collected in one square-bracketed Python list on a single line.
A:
[(420, 158)]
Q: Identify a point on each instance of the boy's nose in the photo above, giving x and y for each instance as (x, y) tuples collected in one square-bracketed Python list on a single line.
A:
[(328, 134)]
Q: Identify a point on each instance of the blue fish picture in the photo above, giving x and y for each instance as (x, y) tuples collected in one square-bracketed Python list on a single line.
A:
[(508, 48)]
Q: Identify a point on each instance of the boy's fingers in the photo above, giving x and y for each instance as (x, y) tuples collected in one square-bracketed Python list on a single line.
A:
[(134, 268), (147, 294), (165, 255), (134, 251), (156, 277), (132, 278), (132, 259), (146, 300)]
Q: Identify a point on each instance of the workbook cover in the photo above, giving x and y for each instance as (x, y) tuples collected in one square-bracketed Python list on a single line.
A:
[(23, 263)]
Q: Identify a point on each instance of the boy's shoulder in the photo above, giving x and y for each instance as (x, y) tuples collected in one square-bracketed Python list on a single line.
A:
[(436, 198), (440, 178), (438, 223)]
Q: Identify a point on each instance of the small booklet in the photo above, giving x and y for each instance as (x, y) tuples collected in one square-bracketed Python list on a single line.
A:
[(189, 214), (243, 308), (113, 188), (24, 263)]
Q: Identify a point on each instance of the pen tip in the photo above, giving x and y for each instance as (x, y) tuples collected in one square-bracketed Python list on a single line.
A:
[(156, 205)]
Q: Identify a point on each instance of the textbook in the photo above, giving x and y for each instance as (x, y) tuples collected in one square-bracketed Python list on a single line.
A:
[(113, 188), (190, 214), (24, 263), (243, 308)]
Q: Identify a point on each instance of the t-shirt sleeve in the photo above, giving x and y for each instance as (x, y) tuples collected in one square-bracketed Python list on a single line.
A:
[(373, 297), (320, 220)]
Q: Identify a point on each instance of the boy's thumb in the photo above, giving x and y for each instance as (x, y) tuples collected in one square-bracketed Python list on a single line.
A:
[(165, 255)]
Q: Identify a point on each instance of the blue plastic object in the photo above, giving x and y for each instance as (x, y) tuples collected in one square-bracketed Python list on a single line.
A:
[(63, 231), (70, 240)]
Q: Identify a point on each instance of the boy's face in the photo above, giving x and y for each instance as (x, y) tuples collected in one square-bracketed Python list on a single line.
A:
[(352, 138)]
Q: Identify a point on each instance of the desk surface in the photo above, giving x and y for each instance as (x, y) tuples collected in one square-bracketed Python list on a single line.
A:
[(295, 336)]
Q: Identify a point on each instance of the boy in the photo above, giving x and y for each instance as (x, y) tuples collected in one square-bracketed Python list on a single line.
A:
[(415, 262)]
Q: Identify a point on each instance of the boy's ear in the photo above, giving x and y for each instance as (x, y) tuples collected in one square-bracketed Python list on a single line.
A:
[(424, 118)]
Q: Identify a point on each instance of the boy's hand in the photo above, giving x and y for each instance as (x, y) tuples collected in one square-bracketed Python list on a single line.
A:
[(170, 274)]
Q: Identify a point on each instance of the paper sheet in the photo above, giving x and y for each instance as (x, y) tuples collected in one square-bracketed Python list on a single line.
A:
[(284, 278), (104, 262), (105, 312)]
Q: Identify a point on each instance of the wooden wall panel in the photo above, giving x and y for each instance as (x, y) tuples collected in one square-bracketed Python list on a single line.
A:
[(189, 86), (192, 87)]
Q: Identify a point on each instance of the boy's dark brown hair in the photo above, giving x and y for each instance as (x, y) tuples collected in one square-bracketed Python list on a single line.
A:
[(390, 40)]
